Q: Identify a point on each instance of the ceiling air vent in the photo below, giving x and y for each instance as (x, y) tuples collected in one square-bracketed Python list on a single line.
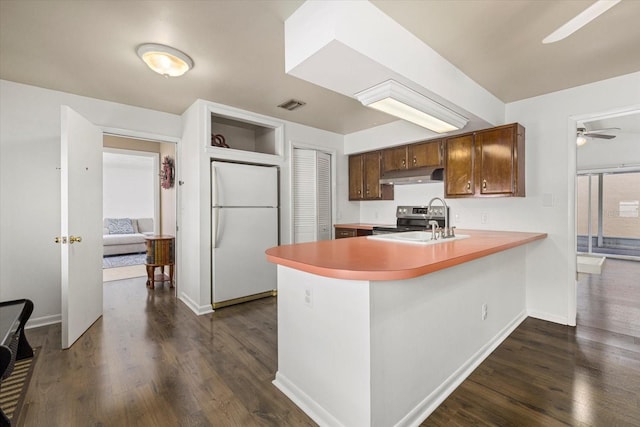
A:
[(292, 104)]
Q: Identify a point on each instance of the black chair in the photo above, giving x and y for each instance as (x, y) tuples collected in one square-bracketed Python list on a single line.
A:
[(13, 318)]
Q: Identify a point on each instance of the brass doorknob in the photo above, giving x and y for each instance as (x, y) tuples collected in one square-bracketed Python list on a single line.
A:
[(75, 239)]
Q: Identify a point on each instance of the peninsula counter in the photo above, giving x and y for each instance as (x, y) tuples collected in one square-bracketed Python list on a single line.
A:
[(380, 333)]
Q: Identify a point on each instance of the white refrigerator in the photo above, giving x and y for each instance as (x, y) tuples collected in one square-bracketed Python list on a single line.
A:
[(244, 224)]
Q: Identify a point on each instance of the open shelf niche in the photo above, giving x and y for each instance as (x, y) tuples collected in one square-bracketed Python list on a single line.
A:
[(244, 136)]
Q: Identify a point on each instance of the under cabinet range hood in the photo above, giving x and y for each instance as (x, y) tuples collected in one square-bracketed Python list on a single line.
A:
[(413, 176)]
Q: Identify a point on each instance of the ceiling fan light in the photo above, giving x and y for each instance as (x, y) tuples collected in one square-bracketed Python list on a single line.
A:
[(579, 21), (581, 140), (165, 60), (393, 98)]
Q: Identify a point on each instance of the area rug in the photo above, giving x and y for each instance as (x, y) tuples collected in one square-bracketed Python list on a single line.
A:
[(114, 261), (14, 389)]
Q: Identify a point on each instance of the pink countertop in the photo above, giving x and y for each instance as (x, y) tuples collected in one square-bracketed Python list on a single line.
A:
[(360, 258)]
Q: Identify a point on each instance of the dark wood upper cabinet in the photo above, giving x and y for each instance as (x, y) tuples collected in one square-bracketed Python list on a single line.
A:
[(412, 156), (501, 160), (458, 166), (364, 178), (394, 159), (425, 154), (355, 177), (486, 163)]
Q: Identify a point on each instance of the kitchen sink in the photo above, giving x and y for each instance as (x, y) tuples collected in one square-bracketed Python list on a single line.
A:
[(415, 237)]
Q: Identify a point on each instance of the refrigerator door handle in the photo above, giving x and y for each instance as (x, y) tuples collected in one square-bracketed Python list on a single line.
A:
[(214, 202), (216, 221), (214, 185)]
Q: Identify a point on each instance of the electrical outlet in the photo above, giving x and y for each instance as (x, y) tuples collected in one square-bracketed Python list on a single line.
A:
[(484, 311), (308, 297), (484, 218)]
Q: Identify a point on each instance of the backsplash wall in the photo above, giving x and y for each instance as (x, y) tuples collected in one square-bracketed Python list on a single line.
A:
[(473, 213), (384, 212)]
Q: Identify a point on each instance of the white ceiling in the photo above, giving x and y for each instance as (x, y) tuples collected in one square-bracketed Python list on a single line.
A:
[(88, 48)]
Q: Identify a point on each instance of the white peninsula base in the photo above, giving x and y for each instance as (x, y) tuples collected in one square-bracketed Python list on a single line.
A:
[(387, 353)]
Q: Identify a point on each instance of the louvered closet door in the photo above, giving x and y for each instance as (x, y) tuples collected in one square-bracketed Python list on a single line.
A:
[(311, 196), (323, 185)]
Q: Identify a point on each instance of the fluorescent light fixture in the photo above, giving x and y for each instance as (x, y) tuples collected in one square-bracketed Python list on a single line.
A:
[(393, 98), (579, 21), (165, 60)]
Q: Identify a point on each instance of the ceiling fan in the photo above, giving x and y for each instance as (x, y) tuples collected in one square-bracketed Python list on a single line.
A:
[(579, 21), (583, 134)]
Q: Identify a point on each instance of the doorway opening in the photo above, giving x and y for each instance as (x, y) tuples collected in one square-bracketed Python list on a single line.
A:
[(607, 204), (134, 203)]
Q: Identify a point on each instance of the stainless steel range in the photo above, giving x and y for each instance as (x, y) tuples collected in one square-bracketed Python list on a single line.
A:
[(414, 218)]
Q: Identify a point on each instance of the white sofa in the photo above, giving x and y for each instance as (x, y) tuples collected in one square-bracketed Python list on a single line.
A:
[(125, 235)]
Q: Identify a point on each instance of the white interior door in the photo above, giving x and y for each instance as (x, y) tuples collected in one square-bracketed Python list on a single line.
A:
[(81, 224)]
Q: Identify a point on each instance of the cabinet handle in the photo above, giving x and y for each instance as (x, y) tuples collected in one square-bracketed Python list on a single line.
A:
[(404, 162), (359, 191), (468, 185), (484, 184), (414, 161)]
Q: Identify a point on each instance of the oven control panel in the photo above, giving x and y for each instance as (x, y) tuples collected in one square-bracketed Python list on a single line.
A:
[(420, 212)]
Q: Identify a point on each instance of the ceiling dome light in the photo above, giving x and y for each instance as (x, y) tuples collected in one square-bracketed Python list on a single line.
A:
[(165, 60)]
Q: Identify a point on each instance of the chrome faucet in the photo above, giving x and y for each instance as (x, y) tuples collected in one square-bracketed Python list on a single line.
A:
[(434, 229), (445, 231)]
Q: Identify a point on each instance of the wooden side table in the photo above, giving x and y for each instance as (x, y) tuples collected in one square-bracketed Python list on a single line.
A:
[(160, 252)]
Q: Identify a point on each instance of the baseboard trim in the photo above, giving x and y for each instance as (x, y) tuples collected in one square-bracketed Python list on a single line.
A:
[(197, 309), (310, 407), (548, 317), (43, 321), (420, 413)]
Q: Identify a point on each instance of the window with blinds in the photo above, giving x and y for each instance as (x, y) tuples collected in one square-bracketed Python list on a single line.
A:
[(311, 196)]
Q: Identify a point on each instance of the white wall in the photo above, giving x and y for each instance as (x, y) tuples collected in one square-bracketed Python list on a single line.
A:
[(551, 168), (128, 185), (30, 184)]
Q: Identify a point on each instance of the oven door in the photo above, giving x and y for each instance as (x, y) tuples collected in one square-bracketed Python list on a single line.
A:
[(400, 229)]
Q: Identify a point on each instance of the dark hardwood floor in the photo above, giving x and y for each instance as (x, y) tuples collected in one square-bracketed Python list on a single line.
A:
[(545, 374), (151, 362)]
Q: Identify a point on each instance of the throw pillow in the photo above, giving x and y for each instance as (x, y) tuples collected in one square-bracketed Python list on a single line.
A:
[(120, 225)]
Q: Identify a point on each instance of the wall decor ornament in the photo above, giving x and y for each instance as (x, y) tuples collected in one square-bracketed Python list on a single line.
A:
[(167, 173), (217, 140)]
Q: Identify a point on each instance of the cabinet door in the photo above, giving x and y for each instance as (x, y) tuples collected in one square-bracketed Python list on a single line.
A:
[(495, 149), (372, 175), (356, 177), (342, 233), (394, 159), (459, 156), (425, 154)]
